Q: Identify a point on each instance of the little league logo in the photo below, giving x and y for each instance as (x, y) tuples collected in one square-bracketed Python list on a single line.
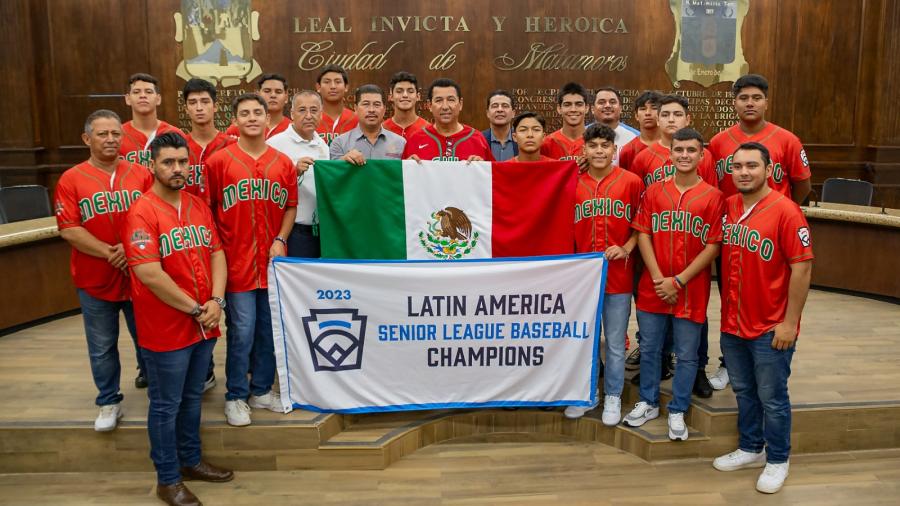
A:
[(59, 208), (803, 234), (140, 239), (449, 235), (217, 41), (336, 338)]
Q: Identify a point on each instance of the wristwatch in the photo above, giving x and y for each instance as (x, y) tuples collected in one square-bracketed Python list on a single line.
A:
[(219, 300), (196, 311)]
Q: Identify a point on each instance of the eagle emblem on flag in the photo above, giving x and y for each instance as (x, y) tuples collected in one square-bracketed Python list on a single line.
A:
[(449, 235)]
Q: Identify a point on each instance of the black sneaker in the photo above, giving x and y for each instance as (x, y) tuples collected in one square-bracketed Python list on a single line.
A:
[(702, 388), (140, 381), (633, 362)]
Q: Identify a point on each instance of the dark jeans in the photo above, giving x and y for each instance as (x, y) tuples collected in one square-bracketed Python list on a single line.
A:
[(101, 328), (250, 347), (686, 335), (175, 387), (759, 375), (302, 243)]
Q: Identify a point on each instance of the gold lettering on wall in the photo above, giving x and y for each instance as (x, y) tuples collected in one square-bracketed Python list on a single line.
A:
[(540, 24), (313, 55), (418, 24), (557, 57)]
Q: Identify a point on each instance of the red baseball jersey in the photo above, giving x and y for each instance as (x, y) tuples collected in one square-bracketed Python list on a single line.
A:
[(136, 146), (788, 156), (559, 147), (195, 184), (758, 248), (249, 198), (543, 159), (329, 128), (407, 132), (655, 164), (680, 225), (428, 144), (89, 197), (604, 211), (182, 240), (280, 127), (630, 151)]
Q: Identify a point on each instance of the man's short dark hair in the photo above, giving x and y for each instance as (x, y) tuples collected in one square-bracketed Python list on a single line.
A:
[(197, 85), (674, 99), (615, 91), (572, 89), (369, 88), (751, 81), (244, 98), (333, 68), (166, 140), (528, 114), (755, 146), (403, 77), (648, 97), (501, 93), (687, 134), (147, 78), (99, 113), (443, 82), (599, 131), (271, 77)]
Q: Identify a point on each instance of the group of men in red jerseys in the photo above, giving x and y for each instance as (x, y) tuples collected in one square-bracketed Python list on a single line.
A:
[(219, 206)]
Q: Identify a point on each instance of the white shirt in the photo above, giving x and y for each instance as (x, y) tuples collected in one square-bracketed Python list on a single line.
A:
[(624, 135), (295, 147)]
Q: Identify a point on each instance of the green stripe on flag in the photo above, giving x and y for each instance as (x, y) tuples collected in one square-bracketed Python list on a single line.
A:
[(361, 209)]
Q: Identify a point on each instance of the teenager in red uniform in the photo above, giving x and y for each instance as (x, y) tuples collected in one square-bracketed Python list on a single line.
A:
[(567, 143), (528, 133), (766, 268), (404, 95), (253, 195), (646, 112), (654, 163), (91, 200), (178, 282), (144, 98), (606, 201), (447, 139), (680, 225), (332, 84), (273, 90), (200, 103)]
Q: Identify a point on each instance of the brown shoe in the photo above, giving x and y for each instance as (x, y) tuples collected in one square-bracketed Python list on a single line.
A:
[(205, 471), (177, 495)]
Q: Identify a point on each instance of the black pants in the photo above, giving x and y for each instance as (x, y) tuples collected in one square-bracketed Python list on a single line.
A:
[(302, 243)]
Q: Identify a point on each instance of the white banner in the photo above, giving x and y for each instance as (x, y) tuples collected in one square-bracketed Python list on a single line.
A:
[(366, 336)]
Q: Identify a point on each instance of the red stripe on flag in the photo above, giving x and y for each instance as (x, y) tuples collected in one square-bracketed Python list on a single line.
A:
[(534, 208)]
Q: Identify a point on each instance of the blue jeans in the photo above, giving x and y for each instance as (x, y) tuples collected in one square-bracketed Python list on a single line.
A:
[(685, 337), (101, 328), (616, 311), (759, 375), (249, 335), (175, 387), (303, 243)]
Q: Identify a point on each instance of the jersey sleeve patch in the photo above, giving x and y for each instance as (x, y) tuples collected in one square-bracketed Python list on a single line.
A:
[(803, 234)]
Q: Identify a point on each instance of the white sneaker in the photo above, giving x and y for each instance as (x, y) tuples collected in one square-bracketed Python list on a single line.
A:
[(612, 410), (270, 401), (678, 431), (574, 412), (641, 414), (772, 478), (209, 383), (719, 379), (237, 413), (739, 459), (108, 418)]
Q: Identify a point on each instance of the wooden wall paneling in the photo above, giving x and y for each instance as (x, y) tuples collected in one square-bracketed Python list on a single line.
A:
[(886, 86), (17, 141)]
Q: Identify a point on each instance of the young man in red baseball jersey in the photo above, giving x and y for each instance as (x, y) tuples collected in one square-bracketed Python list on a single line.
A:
[(680, 225), (91, 200), (199, 97), (646, 112), (253, 195), (178, 283), (403, 93), (273, 90), (528, 133), (332, 84), (606, 201), (766, 267), (447, 139), (144, 98), (567, 143)]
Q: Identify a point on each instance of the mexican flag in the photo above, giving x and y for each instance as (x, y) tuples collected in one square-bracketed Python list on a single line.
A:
[(433, 210)]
